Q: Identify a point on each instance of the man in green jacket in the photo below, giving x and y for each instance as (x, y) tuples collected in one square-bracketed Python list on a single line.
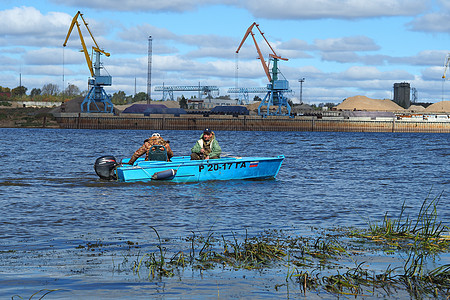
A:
[(207, 147)]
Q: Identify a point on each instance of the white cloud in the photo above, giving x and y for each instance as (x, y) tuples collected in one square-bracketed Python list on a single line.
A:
[(354, 43), (282, 9), (48, 70), (296, 44), (432, 73), (204, 52), (426, 58), (372, 73), (432, 22), (139, 5), (143, 31), (8, 61), (44, 56), (26, 21), (346, 9), (341, 57)]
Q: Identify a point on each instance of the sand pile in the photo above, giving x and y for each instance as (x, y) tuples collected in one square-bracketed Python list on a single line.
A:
[(439, 107), (168, 104), (254, 106), (365, 103), (416, 108)]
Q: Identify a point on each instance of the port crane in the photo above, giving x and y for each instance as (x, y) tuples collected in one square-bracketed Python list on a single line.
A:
[(276, 87), (96, 92)]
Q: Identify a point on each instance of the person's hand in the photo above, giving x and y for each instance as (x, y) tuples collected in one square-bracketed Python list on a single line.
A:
[(207, 157), (202, 151)]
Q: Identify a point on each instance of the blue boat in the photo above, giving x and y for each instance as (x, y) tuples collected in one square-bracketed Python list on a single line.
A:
[(182, 169)]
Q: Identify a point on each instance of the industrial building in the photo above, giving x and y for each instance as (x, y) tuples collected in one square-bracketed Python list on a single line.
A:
[(402, 92)]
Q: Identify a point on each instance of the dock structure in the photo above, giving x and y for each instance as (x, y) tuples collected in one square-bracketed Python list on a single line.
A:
[(244, 123), (201, 89)]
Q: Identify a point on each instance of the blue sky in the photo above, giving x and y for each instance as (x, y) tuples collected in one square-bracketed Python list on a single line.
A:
[(341, 48)]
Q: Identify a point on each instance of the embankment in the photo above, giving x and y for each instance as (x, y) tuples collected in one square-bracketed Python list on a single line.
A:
[(247, 123)]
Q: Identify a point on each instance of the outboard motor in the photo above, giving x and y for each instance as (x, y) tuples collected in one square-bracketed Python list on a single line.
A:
[(104, 167)]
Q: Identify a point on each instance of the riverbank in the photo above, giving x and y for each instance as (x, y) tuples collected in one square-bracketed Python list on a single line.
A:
[(29, 117), (19, 117)]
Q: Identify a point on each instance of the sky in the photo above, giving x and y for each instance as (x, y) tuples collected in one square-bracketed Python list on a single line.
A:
[(341, 48)]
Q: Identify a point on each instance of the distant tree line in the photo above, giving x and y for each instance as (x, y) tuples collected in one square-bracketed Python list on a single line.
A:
[(52, 93)]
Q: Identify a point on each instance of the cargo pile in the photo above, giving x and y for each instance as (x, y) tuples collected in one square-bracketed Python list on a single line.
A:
[(363, 103), (368, 104)]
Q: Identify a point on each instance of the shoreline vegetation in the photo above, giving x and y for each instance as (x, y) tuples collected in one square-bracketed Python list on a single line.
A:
[(338, 262), (27, 117)]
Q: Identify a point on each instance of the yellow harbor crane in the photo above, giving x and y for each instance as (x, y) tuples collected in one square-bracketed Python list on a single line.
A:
[(96, 92)]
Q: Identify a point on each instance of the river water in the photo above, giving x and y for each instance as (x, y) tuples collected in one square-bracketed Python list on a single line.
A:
[(54, 206)]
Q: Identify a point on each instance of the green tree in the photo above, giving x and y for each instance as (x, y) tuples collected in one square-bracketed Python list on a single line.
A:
[(5, 89), (118, 98), (330, 105), (183, 102), (141, 96), (35, 92), (19, 91)]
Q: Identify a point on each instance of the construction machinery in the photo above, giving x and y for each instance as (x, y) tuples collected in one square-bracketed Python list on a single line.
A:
[(276, 88), (201, 89), (96, 94)]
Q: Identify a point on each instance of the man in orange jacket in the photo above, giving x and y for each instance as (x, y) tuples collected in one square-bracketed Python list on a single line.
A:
[(155, 139)]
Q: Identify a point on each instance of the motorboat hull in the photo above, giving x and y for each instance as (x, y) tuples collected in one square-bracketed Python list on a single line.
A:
[(183, 169)]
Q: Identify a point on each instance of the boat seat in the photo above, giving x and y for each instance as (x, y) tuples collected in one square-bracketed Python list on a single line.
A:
[(157, 153)]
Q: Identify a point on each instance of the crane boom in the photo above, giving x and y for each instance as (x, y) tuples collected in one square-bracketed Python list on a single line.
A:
[(260, 56), (83, 44)]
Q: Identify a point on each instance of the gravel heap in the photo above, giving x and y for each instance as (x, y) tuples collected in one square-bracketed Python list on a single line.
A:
[(439, 107), (365, 103)]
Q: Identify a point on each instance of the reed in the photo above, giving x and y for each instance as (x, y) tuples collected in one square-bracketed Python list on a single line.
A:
[(44, 293), (327, 262), (156, 264), (425, 231)]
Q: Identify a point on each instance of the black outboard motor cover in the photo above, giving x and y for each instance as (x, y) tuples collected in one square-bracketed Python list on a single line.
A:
[(104, 167)]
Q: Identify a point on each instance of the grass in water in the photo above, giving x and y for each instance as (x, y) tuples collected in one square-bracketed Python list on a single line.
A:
[(328, 261), (44, 293), (425, 230)]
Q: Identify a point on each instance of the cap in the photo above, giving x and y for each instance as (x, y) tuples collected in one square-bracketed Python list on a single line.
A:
[(156, 134), (207, 130)]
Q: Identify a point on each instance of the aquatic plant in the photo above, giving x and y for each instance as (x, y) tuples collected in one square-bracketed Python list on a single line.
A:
[(327, 262), (156, 265), (252, 253), (46, 292), (425, 231)]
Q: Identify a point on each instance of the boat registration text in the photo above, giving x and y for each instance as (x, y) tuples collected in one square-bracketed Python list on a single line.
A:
[(226, 166)]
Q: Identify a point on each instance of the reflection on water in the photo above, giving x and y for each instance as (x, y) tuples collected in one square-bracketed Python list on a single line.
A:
[(53, 202)]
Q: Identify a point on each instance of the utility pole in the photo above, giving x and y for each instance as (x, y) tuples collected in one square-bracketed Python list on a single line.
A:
[(149, 74), (301, 89)]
